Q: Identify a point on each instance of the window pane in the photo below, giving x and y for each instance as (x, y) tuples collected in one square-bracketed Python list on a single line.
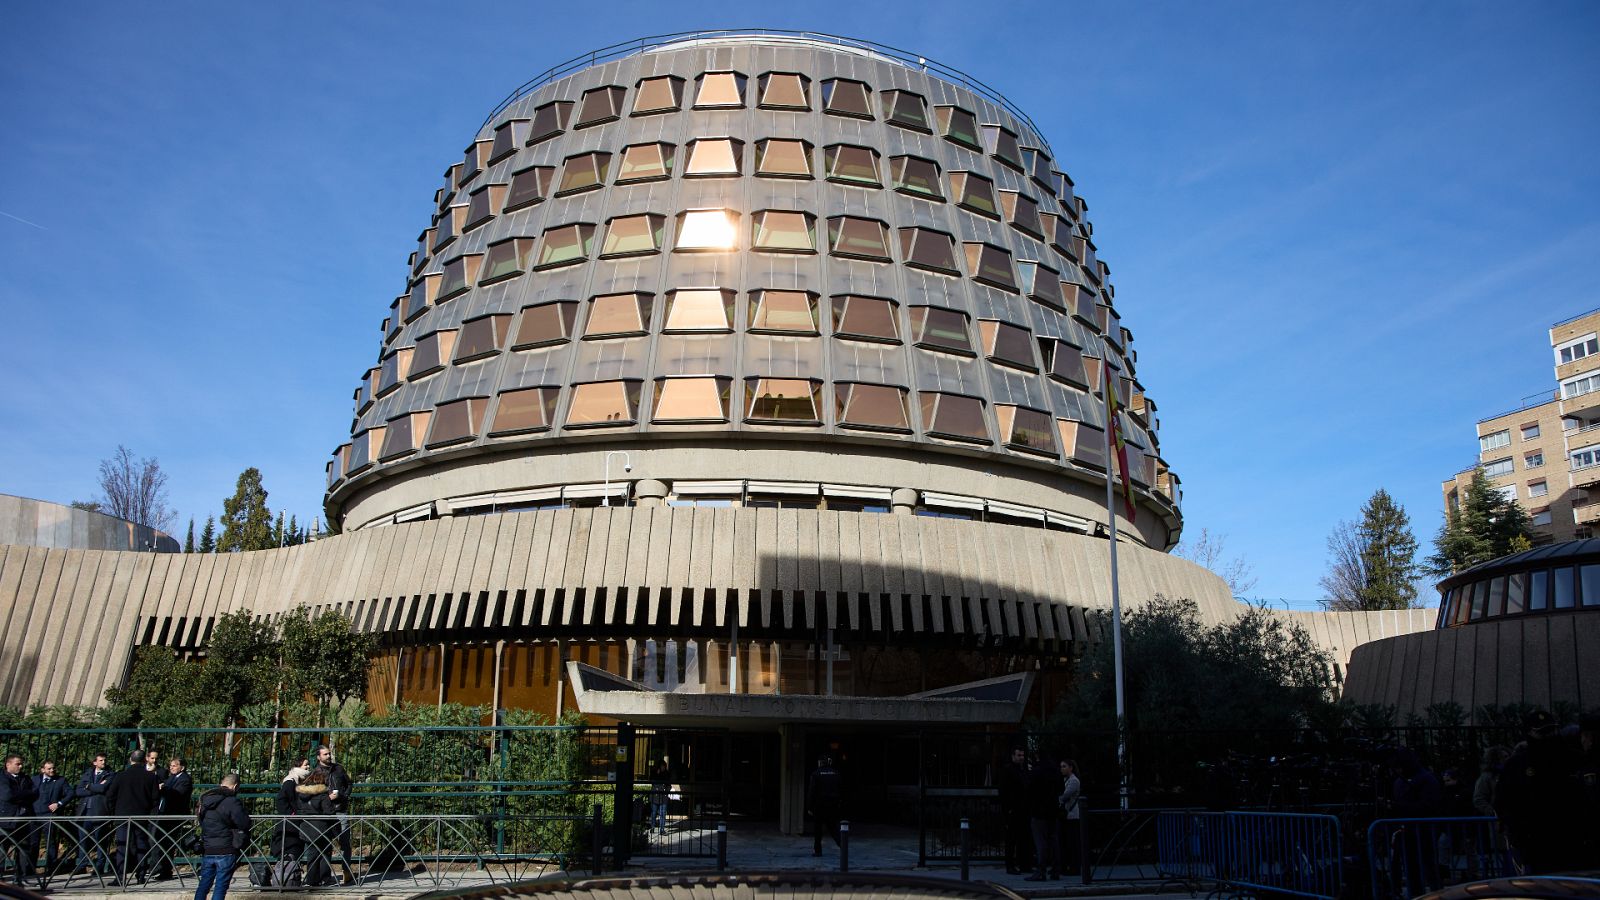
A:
[(1539, 590), (915, 176), (783, 158), (852, 165), (417, 299), (458, 420), (692, 310), (546, 323), (532, 409), (633, 235), (658, 95), (974, 192), (397, 438), (1042, 283), (793, 312), (692, 400), (958, 125), (714, 156), (505, 142), (1021, 212), (859, 238), (939, 328), (481, 337), (506, 258), (785, 90), (549, 120), (906, 109), (1497, 597), (529, 186), (708, 229), (876, 406), (1066, 364), (928, 249), (584, 172), (1026, 429), (612, 315), (645, 162), (1517, 593), (782, 400), (991, 265), (1480, 599), (566, 244), (865, 317), (954, 416), (843, 97), (1006, 343), (720, 89), (458, 274), (432, 349), (1002, 144), (1564, 593), (1591, 582), (601, 104), (603, 403), (780, 230), (478, 210)]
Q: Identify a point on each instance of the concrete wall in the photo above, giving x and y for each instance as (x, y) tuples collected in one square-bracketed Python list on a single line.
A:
[(38, 523)]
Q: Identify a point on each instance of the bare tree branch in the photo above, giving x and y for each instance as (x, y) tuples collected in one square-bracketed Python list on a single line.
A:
[(1347, 574), (1206, 550), (136, 490)]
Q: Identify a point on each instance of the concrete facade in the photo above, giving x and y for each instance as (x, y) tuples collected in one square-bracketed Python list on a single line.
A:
[(39, 523)]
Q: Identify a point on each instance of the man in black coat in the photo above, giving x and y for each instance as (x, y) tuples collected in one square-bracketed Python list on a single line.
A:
[(339, 796), (825, 799), (16, 806), (54, 796), (221, 816), (91, 794), (172, 800), (1012, 782), (133, 794)]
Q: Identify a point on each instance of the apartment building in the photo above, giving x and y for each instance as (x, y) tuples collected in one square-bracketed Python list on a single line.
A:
[(1545, 454)]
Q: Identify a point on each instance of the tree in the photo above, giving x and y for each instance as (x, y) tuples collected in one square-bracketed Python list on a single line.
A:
[(1373, 564), (159, 682), (279, 536), (135, 489), (208, 536), (324, 657), (1487, 525), (241, 667), (246, 521), (188, 542), (1206, 549), (87, 505)]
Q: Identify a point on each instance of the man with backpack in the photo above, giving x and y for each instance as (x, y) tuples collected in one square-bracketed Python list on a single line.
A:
[(224, 833)]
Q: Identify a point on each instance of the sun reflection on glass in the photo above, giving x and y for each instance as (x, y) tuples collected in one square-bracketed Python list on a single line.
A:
[(708, 229)]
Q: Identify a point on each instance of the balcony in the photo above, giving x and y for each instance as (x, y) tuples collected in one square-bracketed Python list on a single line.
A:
[(1586, 515), (1586, 476), (1582, 403)]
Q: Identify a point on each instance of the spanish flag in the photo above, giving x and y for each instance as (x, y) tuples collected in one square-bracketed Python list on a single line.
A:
[(1114, 422)]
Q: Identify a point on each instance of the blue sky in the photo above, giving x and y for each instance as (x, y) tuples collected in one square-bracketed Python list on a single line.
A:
[(1338, 231)]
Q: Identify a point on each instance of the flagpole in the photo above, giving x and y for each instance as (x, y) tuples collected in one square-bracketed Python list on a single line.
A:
[(1116, 596)]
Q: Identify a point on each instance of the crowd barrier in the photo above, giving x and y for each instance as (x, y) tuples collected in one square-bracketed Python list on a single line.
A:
[(1408, 857), (1291, 853)]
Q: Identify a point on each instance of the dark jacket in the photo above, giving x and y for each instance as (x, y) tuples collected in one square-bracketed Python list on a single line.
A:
[(824, 790), (92, 792), (1012, 782), (56, 790), (220, 815), (132, 792), (338, 780), (173, 796), (16, 795), (1044, 790)]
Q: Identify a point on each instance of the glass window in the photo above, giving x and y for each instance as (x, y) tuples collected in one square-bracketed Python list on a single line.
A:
[(1480, 599), (1540, 517), (954, 416), (1001, 143), (1027, 429), (601, 104), (991, 265), (1565, 590), (783, 312), (849, 164), (1041, 283), (545, 324), (844, 97), (925, 248), (1530, 431), (1065, 362), (444, 227), (692, 310), (566, 244), (459, 274), (1579, 349), (1517, 593), (708, 229), (392, 370), (915, 176), (1006, 343), (975, 193), (401, 433), (549, 120), (958, 125), (697, 399), (584, 172), (714, 158), (633, 235), (481, 205), (529, 409), (782, 400), (601, 403), (1533, 460), (1501, 438), (645, 162), (432, 350), (417, 299), (1021, 212), (483, 336), (456, 421), (906, 110), (361, 449), (781, 230), (1497, 597), (858, 238), (529, 186), (1591, 585), (618, 315), (866, 318), (1498, 467), (937, 328), (658, 95), (783, 158), (784, 90), (505, 140), (1539, 590), (875, 407), (719, 90), (506, 259)]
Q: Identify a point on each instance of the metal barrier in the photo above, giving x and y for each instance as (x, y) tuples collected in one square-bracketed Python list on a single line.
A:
[(1407, 857), (108, 852), (1291, 853)]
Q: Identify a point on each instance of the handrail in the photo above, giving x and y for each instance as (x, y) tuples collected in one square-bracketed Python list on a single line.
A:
[(656, 42)]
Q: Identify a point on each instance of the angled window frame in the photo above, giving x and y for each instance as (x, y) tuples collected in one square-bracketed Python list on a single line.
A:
[(1007, 344), (506, 258), (549, 120), (778, 311), (907, 109), (790, 80), (470, 410), (541, 399), (764, 155), (686, 305), (624, 244), (724, 80), (847, 316), (698, 151), (925, 187), (914, 252), (984, 261), (648, 90), (628, 390), (1001, 143), (842, 164), (630, 310), (690, 222), (1014, 422), (659, 168), (562, 314), (974, 193), (848, 237), (671, 389), (599, 105), (470, 344), (847, 395), (855, 102), (927, 323), (529, 186), (504, 144), (938, 408), (577, 236), (753, 387), (584, 172), (776, 231)]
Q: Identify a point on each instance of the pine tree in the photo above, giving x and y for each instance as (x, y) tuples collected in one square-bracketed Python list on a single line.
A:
[(1487, 525), (188, 543), (294, 535), (208, 536), (246, 520), (279, 537), (1389, 554)]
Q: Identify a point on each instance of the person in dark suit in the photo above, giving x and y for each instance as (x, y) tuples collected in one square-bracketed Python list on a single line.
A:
[(54, 797), (16, 807), (132, 794), (91, 794), (172, 800)]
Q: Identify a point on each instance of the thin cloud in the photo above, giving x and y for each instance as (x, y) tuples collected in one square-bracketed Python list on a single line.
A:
[(22, 220)]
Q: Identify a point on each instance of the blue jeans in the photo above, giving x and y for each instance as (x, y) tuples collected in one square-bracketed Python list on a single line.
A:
[(215, 874)]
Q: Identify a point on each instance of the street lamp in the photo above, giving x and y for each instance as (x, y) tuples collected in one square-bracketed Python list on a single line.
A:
[(627, 466)]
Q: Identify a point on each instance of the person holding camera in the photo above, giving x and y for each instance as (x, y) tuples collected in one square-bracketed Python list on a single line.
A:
[(224, 833)]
